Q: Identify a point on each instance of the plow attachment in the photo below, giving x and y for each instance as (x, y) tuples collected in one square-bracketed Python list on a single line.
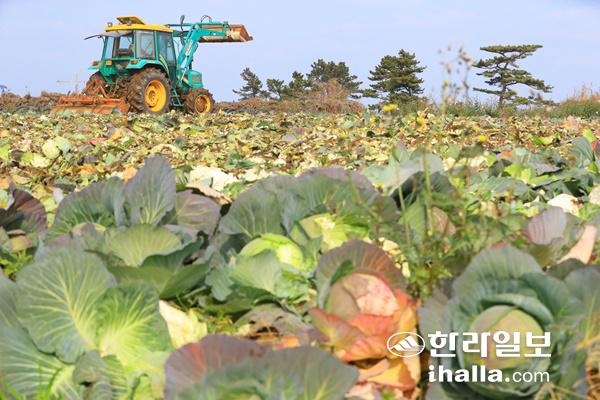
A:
[(90, 105), (93, 100)]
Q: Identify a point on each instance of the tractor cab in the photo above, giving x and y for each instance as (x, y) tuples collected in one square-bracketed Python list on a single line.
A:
[(133, 45)]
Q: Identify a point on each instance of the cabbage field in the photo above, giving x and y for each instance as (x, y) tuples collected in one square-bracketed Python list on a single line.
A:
[(271, 256)]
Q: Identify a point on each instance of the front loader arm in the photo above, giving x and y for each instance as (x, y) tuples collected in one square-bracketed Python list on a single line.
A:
[(190, 42)]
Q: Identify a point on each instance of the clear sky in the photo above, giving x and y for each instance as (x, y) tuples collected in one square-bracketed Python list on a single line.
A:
[(41, 41)]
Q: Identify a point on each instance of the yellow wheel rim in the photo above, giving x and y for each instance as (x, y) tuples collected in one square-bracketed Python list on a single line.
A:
[(202, 104), (155, 95)]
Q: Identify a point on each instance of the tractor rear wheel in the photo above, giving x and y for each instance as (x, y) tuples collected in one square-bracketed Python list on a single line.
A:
[(149, 91), (199, 101), (97, 76), (95, 79)]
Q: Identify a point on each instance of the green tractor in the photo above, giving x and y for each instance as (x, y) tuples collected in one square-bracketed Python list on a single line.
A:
[(148, 68)]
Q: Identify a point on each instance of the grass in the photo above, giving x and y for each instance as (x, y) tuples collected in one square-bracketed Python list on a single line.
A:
[(583, 108), (583, 103), (474, 108)]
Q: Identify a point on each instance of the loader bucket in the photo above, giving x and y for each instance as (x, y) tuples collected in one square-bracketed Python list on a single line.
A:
[(90, 105), (235, 33)]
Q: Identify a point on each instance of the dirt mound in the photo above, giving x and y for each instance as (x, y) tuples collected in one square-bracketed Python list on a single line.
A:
[(14, 103)]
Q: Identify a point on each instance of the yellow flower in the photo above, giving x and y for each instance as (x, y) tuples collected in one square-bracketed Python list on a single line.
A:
[(390, 107)]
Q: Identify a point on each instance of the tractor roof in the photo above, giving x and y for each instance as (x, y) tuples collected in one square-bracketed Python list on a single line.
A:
[(133, 22)]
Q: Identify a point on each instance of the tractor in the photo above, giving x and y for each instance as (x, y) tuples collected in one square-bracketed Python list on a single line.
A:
[(148, 68)]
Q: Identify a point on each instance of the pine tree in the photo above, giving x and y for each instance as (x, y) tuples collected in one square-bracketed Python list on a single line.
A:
[(276, 88), (253, 86), (323, 71), (298, 86), (502, 72), (395, 79)]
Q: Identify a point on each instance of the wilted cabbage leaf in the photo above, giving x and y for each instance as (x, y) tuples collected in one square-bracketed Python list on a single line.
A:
[(21, 222), (363, 306)]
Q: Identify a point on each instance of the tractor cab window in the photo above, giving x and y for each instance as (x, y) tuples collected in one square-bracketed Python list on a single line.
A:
[(166, 48), (145, 45), (119, 47), (109, 47)]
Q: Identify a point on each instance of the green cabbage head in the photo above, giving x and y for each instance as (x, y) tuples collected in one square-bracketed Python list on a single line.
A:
[(333, 231), (284, 248), (508, 319), (505, 290)]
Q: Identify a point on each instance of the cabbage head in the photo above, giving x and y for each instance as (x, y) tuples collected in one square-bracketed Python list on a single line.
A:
[(505, 290), (362, 304), (285, 249), (332, 231)]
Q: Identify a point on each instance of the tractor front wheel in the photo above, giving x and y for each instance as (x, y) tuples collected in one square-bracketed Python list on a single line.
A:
[(199, 101), (149, 92)]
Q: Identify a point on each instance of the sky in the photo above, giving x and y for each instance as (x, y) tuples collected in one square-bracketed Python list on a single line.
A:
[(42, 46)]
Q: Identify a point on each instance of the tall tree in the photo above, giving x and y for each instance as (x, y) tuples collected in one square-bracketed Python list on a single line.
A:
[(502, 72), (276, 88), (395, 79), (253, 86), (298, 86), (323, 71)]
